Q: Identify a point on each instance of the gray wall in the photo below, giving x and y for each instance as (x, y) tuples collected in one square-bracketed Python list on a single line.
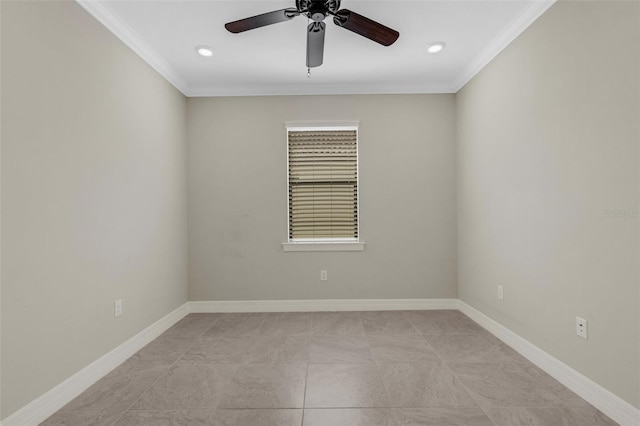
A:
[(547, 142), (93, 193), (1, 416), (238, 205)]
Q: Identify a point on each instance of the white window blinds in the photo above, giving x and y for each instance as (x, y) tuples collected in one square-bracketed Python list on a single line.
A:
[(323, 184)]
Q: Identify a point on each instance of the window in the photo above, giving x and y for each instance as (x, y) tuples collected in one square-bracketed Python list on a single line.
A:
[(323, 186)]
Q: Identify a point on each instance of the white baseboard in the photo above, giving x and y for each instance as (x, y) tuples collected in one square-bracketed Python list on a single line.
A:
[(613, 406), (41, 408), (321, 305)]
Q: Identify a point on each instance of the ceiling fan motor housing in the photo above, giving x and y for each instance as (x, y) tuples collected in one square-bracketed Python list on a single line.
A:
[(317, 10)]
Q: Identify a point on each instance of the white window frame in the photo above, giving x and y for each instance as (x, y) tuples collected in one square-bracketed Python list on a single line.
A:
[(323, 244)]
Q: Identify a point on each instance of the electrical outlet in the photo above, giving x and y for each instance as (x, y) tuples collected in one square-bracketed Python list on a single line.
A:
[(117, 307), (581, 327), (500, 292), (323, 275)]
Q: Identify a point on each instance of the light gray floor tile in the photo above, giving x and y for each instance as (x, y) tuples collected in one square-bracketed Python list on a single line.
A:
[(278, 350), (347, 368), (82, 418), (441, 417), (221, 349), (266, 386), (192, 326), (517, 416), (243, 315), (349, 417), (488, 336), (164, 417), (558, 389), (442, 322), (423, 385), (336, 324), (186, 387), (163, 350), (549, 416), (118, 389), (339, 350), (260, 417), (344, 385), (409, 348), (457, 348), (502, 385), (589, 416), (512, 353), (287, 324), (387, 323), (503, 348), (236, 325)]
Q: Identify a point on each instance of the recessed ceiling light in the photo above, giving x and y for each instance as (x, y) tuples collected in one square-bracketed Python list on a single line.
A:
[(436, 46), (204, 51)]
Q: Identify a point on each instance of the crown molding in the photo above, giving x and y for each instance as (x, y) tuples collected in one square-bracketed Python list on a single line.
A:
[(99, 10), (501, 41), (318, 89)]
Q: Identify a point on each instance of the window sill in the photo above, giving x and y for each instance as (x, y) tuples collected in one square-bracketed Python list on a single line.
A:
[(322, 246)]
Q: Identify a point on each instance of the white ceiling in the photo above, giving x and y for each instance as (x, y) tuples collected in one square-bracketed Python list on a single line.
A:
[(271, 60)]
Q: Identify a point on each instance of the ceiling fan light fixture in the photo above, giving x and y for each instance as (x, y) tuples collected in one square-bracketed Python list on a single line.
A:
[(436, 46), (204, 51)]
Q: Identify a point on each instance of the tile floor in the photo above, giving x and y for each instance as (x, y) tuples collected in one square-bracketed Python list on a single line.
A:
[(328, 369)]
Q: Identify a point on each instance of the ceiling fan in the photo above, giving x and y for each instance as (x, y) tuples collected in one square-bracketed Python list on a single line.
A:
[(317, 11)]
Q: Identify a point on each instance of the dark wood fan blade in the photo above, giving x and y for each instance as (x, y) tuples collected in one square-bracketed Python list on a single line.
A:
[(315, 44), (261, 20), (366, 27)]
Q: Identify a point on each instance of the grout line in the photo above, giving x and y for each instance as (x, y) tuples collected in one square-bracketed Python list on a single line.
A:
[(117, 419), (404, 315), (304, 395), (468, 392), (391, 408), (446, 365), (165, 373), (386, 391)]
